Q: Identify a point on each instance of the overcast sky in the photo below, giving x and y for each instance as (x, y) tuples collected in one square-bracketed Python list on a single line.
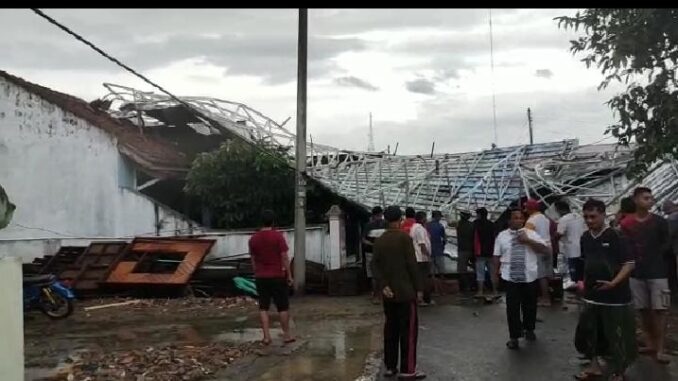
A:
[(424, 74)]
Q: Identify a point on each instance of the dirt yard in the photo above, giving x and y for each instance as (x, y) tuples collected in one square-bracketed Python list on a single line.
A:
[(191, 339)]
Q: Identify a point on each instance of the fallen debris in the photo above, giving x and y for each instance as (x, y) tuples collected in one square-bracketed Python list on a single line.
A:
[(159, 307), (169, 363), (112, 305)]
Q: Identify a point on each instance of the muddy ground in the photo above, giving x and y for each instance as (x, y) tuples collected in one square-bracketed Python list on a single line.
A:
[(200, 338), (216, 339)]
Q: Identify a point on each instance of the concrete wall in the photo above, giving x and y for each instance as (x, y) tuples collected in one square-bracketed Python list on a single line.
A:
[(11, 320), (228, 244), (64, 176), (235, 243)]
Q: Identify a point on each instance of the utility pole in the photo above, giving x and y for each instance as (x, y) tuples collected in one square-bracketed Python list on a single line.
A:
[(529, 123), (300, 191), (494, 100), (370, 144)]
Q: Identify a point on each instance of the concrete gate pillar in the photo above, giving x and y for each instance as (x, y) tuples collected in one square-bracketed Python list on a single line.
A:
[(337, 238), (11, 320)]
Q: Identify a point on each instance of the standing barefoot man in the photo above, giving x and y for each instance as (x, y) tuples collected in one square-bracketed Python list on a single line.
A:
[(268, 251)]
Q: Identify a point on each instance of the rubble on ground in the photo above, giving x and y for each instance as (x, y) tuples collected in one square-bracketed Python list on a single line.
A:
[(171, 304), (170, 363)]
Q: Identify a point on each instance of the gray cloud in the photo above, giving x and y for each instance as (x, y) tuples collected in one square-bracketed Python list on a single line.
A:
[(262, 43), (352, 81), (459, 124), (258, 43), (421, 86), (544, 73)]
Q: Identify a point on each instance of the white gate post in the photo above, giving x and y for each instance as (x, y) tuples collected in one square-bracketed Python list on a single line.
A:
[(337, 238), (11, 320)]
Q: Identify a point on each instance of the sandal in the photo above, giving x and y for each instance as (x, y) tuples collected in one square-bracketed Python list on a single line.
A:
[(390, 373), (412, 376), (265, 342), (289, 341), (584, 375)]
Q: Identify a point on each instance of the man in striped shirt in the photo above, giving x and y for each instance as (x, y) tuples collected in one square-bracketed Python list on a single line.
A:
[(518, 251)]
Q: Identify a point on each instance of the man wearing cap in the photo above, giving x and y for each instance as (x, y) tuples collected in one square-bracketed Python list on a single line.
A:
[(542, 226), (401, 284), (373, 230)]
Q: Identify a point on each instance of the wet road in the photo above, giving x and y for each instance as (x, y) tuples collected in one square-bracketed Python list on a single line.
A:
[(468, 343)]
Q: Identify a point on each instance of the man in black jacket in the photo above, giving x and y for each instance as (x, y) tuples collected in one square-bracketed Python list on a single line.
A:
[(395, 267)]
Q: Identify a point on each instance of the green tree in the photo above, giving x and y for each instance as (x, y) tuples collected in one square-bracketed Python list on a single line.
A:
[(638, 47), (6, 209), (240, 180)]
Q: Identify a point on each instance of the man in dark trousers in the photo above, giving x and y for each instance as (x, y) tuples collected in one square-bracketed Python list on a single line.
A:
[(516, 253), (483, 235), (465, 251), (395, 267), (607, 323)]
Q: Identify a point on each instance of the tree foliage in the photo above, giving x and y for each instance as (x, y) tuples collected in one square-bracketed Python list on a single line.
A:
[(240, 180), (637, 47)]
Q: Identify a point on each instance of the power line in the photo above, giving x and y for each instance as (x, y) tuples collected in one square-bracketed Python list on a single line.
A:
[(111, 58), (145, 79)]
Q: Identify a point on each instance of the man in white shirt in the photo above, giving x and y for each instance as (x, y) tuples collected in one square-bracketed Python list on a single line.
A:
[(517, 252), (571, 227), (422, 249), (540, 224)]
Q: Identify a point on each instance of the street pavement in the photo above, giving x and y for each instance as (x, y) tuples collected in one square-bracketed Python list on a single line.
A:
[(467, 342)]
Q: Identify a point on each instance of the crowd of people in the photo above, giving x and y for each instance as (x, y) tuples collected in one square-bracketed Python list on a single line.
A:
[(615, 268)]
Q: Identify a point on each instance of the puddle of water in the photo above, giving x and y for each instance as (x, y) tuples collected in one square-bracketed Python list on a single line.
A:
[(329, 355), (245, 335), (332, 350)]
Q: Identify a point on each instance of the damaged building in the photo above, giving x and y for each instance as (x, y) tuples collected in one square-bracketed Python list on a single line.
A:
[(74, 171), (449, 182), (80, 172), (116, 167)]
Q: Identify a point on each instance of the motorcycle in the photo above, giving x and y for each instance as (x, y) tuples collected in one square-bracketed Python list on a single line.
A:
[(47, 294)]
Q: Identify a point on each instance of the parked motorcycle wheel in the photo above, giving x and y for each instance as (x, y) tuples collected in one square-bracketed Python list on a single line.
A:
[(54, 305)]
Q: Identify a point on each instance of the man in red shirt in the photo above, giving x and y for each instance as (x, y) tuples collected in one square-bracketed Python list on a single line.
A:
[(410, 220), (268, 251)]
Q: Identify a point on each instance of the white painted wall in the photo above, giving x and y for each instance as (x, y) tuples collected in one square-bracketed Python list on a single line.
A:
[(228, 244), (235, 243), (63, 175), (11, 320)]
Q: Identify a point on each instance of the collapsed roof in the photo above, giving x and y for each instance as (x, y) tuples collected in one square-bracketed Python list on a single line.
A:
[(451, 182)]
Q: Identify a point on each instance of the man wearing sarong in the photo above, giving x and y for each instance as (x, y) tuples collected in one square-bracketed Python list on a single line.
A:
[(607, 324)]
